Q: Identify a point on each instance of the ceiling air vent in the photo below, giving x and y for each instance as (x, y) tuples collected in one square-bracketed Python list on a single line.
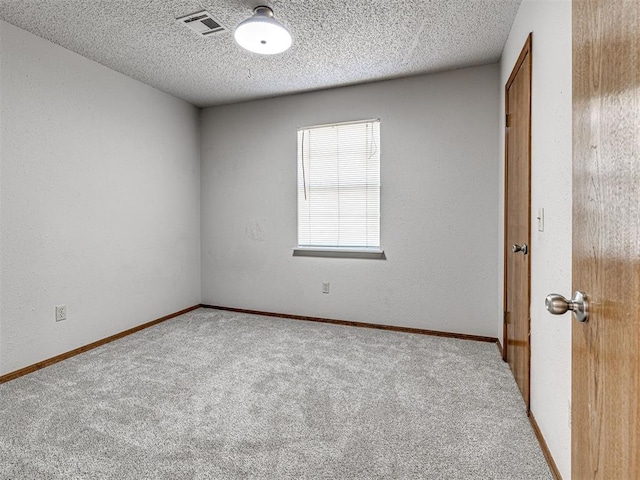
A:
[(202, 23)]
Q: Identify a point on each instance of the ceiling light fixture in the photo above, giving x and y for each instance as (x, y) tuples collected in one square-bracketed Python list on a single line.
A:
[(262, 33)]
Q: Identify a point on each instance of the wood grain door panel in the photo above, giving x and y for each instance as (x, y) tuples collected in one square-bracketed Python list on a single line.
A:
[(518, 219), (606, 239)]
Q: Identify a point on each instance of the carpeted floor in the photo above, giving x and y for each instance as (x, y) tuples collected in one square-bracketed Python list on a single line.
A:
[(219, 395)]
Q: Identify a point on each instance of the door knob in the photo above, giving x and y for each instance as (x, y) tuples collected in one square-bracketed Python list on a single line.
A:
[(557, 305), (520, 248)]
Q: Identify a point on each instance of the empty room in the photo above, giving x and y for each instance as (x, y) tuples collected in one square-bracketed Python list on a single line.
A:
[(319, 239)]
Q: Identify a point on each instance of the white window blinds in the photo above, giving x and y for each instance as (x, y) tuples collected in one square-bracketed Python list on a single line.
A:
[(339, 185)]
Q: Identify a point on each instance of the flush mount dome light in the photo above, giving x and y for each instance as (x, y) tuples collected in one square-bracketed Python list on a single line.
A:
[(262, 33)]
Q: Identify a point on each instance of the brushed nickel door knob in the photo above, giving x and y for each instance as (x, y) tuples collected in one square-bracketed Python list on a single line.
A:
[(520, 248), (558, 305)]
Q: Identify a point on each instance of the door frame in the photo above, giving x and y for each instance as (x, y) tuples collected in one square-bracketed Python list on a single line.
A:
[(525, 54)]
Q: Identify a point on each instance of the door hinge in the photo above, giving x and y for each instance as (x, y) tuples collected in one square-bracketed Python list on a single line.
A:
[(504, 317), (507, 120)]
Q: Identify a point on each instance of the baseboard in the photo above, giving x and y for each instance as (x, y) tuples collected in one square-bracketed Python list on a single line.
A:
[(419, 331), (545, 448), (58, 358), (499, 345)]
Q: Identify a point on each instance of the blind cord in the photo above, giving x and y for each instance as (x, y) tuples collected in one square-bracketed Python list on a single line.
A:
[(366, 176), (304, 177), (373, 143), (338, 171)]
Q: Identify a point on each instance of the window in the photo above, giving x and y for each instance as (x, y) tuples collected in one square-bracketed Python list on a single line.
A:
[(339, 187)]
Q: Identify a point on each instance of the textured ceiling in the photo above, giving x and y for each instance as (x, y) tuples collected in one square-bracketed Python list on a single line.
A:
[(336, 42)]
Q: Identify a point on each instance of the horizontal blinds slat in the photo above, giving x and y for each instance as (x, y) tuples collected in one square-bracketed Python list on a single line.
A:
[(339, 185)]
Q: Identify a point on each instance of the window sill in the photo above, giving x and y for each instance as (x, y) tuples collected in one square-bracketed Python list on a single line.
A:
[(373, 253)]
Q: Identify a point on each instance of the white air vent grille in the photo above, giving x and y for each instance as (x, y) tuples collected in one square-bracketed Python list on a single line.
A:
[(202, 23)]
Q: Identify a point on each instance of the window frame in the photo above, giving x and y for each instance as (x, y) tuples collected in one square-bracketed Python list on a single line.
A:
[(337, 251)]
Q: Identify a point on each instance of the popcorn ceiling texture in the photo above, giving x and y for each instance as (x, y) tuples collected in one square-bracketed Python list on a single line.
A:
[(336, 42)]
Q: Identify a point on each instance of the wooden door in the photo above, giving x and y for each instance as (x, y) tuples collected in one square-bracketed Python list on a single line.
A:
[(606, 239), (518, 220)]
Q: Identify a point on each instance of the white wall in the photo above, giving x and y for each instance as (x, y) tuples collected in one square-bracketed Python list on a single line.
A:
[(100, 199), (439, 170), (550, 22), (1, 181)]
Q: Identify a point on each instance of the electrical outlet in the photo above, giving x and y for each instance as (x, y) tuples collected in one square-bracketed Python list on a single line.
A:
[(325, 287), (61, 313)]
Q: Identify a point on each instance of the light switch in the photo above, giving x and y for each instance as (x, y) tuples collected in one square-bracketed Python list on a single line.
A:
[(540, 219)]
